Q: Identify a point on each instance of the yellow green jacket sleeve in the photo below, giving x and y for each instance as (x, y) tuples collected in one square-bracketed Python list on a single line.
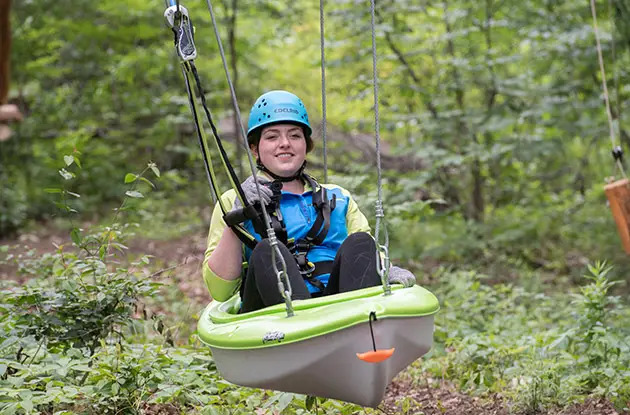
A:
[(355, 219), (220, 289)]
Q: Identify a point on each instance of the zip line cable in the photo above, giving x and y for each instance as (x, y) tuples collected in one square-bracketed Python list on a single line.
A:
[(617, 151)]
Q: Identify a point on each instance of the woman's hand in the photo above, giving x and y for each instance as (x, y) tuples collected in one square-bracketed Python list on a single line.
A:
[(402, 276), (251, 193)]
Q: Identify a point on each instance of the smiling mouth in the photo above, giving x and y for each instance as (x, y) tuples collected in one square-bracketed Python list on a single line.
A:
[(284, 155)]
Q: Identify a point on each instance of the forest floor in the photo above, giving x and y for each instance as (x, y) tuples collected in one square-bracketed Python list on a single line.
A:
[(180, 259)]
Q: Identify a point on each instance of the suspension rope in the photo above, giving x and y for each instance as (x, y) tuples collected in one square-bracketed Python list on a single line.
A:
[(284, 285), (323, 64), (382, 250), (617, 151), (615, 72)]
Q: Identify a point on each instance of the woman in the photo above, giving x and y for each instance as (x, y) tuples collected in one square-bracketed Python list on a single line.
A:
[(327, 247)]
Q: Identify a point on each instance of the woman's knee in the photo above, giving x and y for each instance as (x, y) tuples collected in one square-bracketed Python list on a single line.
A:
[(360, 238), (264, 248)]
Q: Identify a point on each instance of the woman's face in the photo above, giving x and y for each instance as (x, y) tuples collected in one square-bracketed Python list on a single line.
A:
[(282, 149)]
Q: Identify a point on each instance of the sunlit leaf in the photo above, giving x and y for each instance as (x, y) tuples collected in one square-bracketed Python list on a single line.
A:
[(134, 194)]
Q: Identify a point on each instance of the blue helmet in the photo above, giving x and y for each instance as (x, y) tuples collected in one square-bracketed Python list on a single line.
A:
[(276, 107)]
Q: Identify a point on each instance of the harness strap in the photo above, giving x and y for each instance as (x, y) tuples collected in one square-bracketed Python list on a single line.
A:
[(318, 232), (315, 236), (319, 268)]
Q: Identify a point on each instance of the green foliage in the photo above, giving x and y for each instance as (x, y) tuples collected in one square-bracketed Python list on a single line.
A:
[(540, 350), (76, 299), (500, 100)]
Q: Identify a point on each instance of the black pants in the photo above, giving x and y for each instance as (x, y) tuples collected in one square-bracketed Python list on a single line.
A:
[(354, 267)]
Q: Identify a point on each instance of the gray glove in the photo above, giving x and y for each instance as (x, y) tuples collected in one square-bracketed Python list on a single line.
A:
[(402, 276), (251, 194)]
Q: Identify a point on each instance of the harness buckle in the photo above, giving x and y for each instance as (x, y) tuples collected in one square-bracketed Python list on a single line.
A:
[(309, 271)]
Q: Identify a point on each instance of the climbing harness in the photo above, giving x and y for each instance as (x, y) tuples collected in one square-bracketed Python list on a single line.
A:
[(315, 236), (617, 192), (264, 348)]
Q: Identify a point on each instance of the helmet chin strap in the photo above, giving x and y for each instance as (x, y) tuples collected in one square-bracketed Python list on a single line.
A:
[(296, 176)]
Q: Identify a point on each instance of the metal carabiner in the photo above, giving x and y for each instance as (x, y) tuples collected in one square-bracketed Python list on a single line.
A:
[(178, 19)]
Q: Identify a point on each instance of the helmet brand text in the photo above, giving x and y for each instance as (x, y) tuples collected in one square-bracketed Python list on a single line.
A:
[(286, 110)]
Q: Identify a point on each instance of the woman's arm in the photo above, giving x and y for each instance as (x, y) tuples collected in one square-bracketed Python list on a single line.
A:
[(223, 258), (355, 219), (226, 260)]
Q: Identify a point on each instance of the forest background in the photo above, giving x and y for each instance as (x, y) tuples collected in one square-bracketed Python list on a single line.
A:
[(495, 148)]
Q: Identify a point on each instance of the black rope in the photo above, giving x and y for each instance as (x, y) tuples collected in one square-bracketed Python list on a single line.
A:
[(206, 161), (241, 233), (617, 153), (372, 316), (235, 181)]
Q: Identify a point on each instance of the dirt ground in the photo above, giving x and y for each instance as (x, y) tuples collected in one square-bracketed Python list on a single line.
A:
[(182, 259)]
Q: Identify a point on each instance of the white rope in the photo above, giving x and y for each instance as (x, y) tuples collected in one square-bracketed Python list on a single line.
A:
[(323, 63), (600, 58), (383, 268)]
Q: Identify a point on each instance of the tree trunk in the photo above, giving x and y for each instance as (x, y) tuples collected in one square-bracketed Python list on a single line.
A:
[(5, 50), (477, 191)]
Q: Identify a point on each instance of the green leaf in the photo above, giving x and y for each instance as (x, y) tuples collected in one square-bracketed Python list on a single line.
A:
[(130, 178), (75, 235), (68, 160), (147, 181), (52, 190), (66, 174), (134, 193), (10, 341), (310, 401), (154, 169), (284, 401), (77, 161)]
